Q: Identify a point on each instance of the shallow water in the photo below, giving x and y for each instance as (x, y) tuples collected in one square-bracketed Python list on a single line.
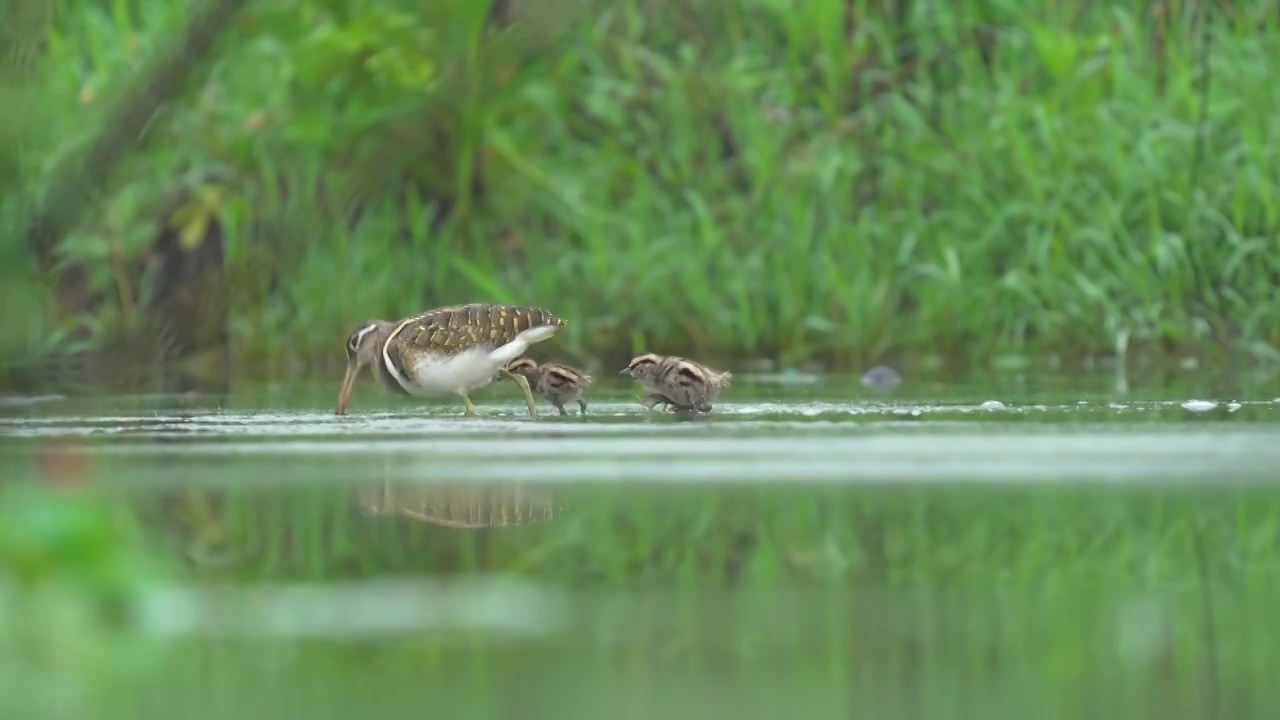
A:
[(810, 546)]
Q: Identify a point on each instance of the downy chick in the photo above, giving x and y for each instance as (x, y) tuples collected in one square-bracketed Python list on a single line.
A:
[(677, 381), (555, 382)]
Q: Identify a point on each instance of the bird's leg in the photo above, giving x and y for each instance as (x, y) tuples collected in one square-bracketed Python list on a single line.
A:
[(466, 401), (559, 406), (524, 387), (582, 404)]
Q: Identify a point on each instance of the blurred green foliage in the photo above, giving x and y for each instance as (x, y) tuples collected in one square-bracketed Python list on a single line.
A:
[(72, 579), (820, 180)]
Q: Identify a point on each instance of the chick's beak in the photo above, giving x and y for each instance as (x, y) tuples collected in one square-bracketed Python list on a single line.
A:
[(344, 395)]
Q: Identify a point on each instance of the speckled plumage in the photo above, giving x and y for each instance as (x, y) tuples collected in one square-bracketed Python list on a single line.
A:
[(453, 349), (462, 327), (557, 383), (676, 381)]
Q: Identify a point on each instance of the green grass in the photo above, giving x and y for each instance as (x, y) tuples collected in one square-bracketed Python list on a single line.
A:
[(718, 179)]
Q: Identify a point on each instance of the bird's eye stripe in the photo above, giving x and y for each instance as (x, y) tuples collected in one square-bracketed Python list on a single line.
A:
[(356, 339)]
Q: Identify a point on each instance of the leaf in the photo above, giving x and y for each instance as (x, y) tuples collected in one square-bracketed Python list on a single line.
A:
[(192, 233), (484, 280)]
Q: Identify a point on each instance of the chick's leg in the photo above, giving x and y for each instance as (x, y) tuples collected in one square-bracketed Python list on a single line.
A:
[(654, 398)]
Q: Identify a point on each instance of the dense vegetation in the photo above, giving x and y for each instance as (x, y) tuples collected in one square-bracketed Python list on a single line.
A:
[(823, 180)]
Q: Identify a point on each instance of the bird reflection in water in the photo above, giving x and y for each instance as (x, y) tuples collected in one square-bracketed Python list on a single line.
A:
[(461, 505)]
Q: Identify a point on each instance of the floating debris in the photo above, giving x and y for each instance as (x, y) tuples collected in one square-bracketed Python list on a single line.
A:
[(1232, 407), (1199, 406), (881, 377), (993, 405)]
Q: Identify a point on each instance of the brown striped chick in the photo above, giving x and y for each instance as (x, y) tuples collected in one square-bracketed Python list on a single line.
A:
[(677, 382), (555, 382)]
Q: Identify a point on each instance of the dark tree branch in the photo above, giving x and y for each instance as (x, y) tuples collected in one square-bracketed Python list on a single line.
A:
[(75, 180)]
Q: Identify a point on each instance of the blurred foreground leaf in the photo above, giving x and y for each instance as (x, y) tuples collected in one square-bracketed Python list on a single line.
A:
[(71, 581)]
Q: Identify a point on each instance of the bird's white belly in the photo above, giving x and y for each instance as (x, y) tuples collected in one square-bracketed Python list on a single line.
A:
[(439, 374)]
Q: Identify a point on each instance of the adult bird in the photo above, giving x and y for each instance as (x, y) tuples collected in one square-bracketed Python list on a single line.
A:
[(455, 349)]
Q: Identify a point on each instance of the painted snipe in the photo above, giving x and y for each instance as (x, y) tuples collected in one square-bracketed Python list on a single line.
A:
[(677, 381), (557, 383), (454, 349)]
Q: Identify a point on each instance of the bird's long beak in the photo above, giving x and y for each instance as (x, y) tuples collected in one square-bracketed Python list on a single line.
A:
[(344, 395)]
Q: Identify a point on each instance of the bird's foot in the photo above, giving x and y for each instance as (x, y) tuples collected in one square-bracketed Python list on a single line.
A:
[(469, 408)]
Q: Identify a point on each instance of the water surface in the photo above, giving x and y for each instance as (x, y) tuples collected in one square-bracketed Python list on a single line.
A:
[(1091, 544)]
